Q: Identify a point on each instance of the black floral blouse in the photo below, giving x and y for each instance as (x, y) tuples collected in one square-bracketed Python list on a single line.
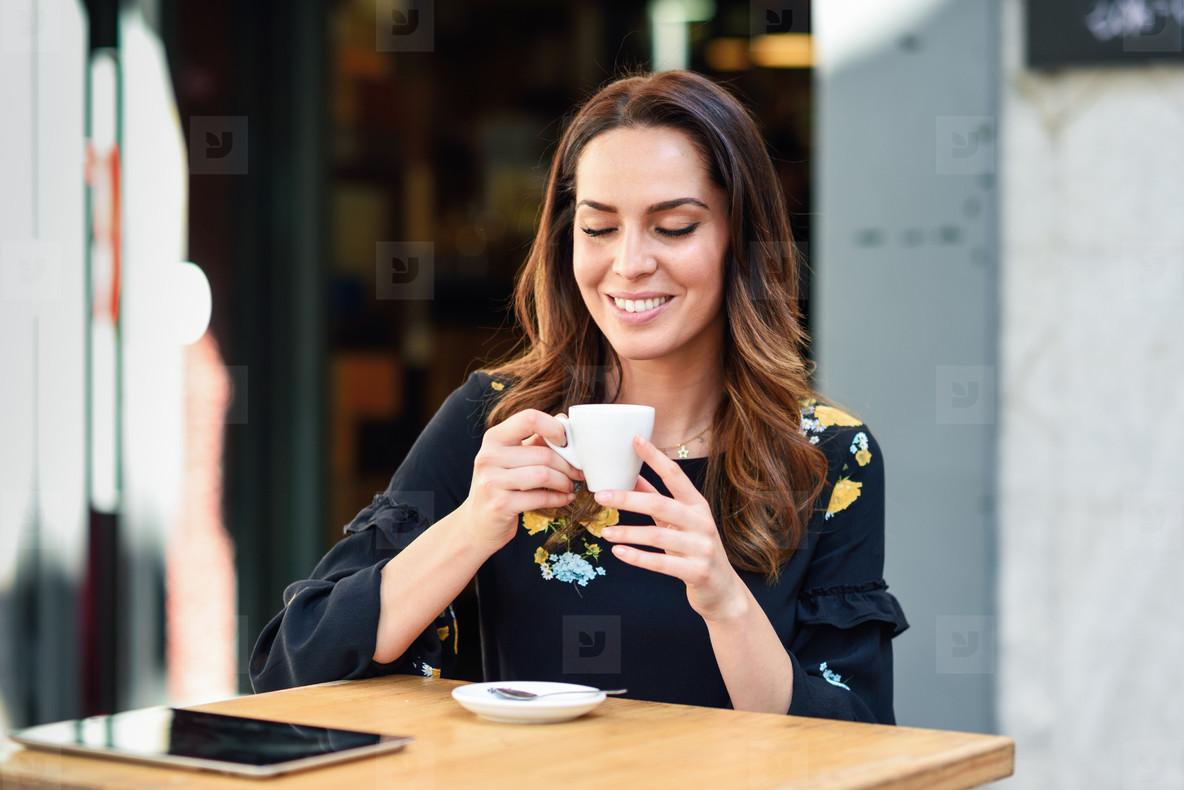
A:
[(582, 616)]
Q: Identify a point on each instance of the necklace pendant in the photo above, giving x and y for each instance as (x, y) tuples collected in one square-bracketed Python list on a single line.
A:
[(683, 452)]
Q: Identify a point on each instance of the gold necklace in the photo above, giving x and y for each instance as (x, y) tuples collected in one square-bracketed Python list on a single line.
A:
[(683, 452)]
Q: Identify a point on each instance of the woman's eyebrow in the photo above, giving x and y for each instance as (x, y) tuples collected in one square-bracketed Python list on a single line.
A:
[(665, 205)]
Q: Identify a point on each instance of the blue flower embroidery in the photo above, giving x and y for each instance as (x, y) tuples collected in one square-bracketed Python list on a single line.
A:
[(810, 426), (569, 567), (832, 677)]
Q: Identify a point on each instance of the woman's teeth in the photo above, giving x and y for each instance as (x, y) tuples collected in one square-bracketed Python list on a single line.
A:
[(640, 305)]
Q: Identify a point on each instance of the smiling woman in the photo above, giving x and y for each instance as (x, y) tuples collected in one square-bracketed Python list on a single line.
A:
[(663, 273), (662, 187)]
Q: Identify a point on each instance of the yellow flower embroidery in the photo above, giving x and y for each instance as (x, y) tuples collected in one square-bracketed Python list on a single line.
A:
[(863, 457), (497, 385), (535, 522), (829, 415), (846, 491), (540, 555), (605, 518), (443, 632)]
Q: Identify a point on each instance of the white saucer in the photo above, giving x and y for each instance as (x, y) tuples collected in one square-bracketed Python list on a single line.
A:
[(477, 698)]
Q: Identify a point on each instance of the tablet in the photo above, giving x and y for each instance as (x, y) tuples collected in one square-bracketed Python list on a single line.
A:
[(207, 741)]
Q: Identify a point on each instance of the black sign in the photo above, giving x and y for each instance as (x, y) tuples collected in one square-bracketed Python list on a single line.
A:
[(1091, 32)]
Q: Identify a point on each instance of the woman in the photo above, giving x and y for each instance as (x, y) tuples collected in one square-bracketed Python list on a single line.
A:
[(745, 567)]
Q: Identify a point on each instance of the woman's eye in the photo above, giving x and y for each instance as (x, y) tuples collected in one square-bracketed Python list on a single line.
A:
[(668, 232), (679, 231)]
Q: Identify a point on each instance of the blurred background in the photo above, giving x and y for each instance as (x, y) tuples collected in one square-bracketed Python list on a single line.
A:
[(247, 249)]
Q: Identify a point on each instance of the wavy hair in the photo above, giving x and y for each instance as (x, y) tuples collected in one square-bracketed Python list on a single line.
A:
[(763, 477)]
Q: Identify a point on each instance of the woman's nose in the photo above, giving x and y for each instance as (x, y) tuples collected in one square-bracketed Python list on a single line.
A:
[(632, 259)]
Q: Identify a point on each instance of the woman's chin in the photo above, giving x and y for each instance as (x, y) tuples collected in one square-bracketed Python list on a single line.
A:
[(633, 350)]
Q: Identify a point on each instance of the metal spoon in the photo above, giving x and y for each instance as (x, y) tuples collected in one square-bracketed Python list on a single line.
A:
[(516, 694)]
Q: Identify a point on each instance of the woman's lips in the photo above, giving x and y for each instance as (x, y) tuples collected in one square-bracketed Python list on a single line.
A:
[(633, 319)]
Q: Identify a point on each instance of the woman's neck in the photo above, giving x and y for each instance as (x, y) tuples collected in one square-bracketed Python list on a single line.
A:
[(685, 396)]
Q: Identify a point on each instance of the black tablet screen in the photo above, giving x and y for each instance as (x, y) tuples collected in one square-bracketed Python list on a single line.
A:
[(158, 732)]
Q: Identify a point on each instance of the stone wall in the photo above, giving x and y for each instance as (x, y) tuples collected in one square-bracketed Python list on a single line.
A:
[(1091, 489)]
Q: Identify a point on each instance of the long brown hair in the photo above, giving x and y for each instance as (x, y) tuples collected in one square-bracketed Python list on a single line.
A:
[(763, 477)]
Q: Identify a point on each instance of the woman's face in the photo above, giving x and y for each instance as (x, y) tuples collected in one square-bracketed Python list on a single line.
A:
[(649, 222)]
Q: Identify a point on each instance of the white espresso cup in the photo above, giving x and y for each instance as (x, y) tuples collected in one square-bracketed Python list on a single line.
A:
[(600, 442)]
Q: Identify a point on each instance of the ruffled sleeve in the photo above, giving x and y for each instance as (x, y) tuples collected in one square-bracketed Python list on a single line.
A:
[(841, 650), (842, 653), (436, 650), (328, 626), (852, 605)]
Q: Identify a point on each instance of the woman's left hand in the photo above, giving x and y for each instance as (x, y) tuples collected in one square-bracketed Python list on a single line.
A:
[(684, 530)]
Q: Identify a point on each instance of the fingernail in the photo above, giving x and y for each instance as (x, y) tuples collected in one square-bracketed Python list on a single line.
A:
[(604, 497)]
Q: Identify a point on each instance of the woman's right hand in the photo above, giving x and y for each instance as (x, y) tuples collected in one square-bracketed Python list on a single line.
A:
[(516, 472)]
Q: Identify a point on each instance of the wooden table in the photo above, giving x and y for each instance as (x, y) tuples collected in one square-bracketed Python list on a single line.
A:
[(623, 743)]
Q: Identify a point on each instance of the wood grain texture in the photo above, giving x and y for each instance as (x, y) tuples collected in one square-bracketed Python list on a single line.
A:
[(622, 743)]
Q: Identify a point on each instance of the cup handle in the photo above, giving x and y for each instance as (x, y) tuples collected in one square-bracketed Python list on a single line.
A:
[(567, 453)]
